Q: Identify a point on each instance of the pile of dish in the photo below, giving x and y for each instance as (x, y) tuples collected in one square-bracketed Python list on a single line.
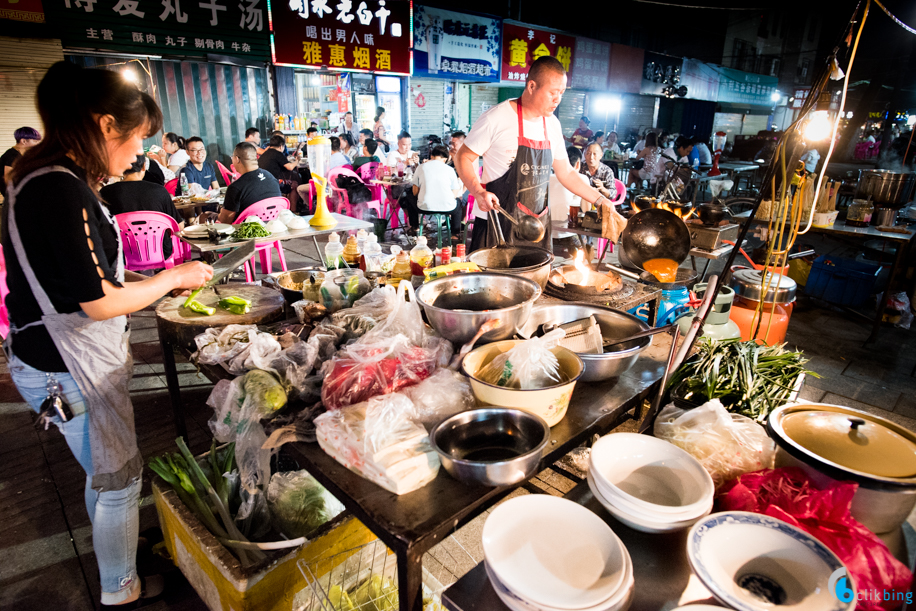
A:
[(649, 484), (545, 553), (201, 232)]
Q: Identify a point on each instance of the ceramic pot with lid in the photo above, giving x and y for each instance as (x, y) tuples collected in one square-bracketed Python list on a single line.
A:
[(834, 443)]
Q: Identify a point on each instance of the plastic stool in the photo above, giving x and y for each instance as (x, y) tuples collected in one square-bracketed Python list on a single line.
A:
[(438, 216)]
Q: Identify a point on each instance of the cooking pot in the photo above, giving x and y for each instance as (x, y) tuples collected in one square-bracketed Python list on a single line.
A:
[(525, 261), (834, 443), (886, 187), (713, 212)]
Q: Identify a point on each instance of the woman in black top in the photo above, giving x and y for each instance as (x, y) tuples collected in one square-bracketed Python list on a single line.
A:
[(68, 297), (26, 138)]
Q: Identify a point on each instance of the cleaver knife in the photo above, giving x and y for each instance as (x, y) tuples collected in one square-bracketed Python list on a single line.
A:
[(225, 266)]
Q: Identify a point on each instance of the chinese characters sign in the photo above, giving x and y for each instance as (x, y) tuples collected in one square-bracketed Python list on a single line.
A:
[(523, 45), (178, 27), (454, 45), (590, 68), (370, 35), (801, 94), (745, 88)]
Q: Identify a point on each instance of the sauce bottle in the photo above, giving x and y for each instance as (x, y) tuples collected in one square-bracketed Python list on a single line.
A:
[(332, 252), (351, 252), (421, 257), (401, 269)]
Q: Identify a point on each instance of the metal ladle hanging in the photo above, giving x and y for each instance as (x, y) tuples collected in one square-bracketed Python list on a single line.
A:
[(529, 228)]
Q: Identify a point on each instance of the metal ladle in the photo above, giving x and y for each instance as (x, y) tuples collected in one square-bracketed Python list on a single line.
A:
[(529, 228)]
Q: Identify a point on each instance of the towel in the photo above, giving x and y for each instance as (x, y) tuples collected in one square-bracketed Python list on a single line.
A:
[(612, 224)]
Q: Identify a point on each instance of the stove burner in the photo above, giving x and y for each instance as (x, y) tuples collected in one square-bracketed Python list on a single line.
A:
[(566, 279)]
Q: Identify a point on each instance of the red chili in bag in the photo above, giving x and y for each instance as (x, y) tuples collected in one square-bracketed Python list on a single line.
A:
[(352, 381)]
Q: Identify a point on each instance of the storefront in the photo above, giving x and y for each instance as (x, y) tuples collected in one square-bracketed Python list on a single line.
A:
[(206, 67), (745, 102), (453, 54), (330, 62)]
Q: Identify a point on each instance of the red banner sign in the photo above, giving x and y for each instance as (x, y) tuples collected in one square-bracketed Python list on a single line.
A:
[(22, 10), (365, 35), (522, 45)]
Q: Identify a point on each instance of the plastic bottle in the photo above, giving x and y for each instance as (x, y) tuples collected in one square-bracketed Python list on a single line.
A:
[(361, 237), (421, 257), (333, 251), (371, 259), (183, 181), (401, 269), (351, 252)]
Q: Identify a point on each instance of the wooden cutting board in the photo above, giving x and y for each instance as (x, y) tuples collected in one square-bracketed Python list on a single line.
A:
[(178, 325)]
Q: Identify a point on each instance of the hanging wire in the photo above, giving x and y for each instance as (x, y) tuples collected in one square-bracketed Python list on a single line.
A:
[(897, 21)]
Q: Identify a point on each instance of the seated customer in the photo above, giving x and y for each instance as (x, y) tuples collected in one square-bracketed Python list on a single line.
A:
[(252, 186), (253, 136), (198, 170), (337, 158), (274, 161), (154, 173), (600, 176), (134, 194), (367, 155), (403, 154), (436, 188)]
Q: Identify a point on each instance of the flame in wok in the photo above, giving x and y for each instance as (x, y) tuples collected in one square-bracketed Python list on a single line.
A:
[(683, 212), (582, 267)]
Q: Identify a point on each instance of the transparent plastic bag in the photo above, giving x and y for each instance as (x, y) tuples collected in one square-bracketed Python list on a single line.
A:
[(378, 440), (218, 346), (299, 504), (365, 370), (439, 396), (367, 313), (527, 365), (727, 445), (404, 318), (338, 293)]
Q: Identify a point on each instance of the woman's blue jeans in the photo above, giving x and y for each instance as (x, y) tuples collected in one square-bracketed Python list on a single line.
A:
[(115, 514)]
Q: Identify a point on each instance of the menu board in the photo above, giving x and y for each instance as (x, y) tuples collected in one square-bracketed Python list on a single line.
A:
[(523, 45), (369, 35), (590, 68), (454, 45)]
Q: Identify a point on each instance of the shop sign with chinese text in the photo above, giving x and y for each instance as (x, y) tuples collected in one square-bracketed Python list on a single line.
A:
[(739, 87), (523, 45), (164, 27), (369, 35), (590, 67), (455, 45)]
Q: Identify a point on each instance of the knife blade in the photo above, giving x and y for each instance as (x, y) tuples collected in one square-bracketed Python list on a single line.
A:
[(229, 263)]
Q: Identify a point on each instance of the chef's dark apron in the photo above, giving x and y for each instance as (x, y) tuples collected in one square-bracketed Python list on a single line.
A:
[(523, 188)]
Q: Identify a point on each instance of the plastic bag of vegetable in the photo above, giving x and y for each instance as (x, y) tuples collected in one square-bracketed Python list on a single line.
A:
[(379, 440), (404, 318), (528, 365), (365, 370), (343, 289), (439, 396), (299, 504), (727, 445), (367, 312), (218, 346)]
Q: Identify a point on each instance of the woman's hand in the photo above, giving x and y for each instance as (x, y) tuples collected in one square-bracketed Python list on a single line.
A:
[(190, 275)]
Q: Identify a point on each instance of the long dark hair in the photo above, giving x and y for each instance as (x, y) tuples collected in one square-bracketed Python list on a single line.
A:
[(379, 112), (176, 139), (651, 139), (70, 100)]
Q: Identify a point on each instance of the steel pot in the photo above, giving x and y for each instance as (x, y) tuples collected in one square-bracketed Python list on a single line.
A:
[(301, 275), (713, 212), (525, 261), (613, 323), (833, 443), (491, 446), (886, 187), (456, 306)]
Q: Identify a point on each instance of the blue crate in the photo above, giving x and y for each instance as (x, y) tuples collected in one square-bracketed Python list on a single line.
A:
[(844, 282)]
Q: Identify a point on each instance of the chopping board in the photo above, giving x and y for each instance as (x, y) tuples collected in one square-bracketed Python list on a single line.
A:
[(179, 325)]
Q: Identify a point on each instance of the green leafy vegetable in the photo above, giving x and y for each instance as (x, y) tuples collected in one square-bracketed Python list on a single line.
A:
[(748, 378), (250, 230)]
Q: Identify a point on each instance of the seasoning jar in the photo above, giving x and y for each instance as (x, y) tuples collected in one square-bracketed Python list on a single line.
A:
[(860, 213), (351, 251), (401, 269)]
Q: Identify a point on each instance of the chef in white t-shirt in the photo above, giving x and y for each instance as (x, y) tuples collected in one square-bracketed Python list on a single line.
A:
[(517, 163)]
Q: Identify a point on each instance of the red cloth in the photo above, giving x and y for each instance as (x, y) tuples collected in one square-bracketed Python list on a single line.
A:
[(790, 495)]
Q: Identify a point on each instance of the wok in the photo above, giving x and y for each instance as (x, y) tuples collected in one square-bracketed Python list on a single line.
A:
[(655, 234), (526, 261)]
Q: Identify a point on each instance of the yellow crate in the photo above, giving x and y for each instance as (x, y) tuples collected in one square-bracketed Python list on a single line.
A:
[(275, 584)]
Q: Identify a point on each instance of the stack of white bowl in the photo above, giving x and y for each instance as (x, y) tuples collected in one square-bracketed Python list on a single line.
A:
[(545, 553), (649, 484)]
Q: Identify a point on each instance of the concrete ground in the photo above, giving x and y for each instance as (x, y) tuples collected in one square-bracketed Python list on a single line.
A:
[(46, 557)]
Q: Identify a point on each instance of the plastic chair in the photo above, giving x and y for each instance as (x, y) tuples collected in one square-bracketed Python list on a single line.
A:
[(367, 173), (229, 176), (142, 234), (343, 199), (266, 210), (171, 185), (4, 291), (438, 217)]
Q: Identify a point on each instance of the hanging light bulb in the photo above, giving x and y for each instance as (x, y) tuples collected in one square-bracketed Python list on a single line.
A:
[(818, 127)]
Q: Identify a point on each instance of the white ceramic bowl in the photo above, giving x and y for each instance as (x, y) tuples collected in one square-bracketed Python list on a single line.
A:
[(652, 474), (617, 602), (641, 521), (554, 552), (625, 503), (786, 568)]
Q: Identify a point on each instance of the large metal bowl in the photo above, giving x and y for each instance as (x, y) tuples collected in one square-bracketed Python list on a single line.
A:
[(614, 324), (491, 446), (525, 261), (456, 306), (300, 275)]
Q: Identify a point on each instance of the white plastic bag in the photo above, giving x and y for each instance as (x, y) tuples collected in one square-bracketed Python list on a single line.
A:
[(299, 504), (441, 395), (367, 313), (727, 445), (378, 440), (527, 365), (404, 318)]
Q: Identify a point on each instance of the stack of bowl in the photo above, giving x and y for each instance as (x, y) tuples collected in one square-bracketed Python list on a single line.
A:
[(544, 553), (649, 484)]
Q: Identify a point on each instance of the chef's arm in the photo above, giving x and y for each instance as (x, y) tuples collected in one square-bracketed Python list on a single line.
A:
[(466, 166), (569, 178), (134, 296)]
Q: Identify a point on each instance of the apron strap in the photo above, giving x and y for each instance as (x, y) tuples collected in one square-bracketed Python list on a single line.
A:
[(521, 124)]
